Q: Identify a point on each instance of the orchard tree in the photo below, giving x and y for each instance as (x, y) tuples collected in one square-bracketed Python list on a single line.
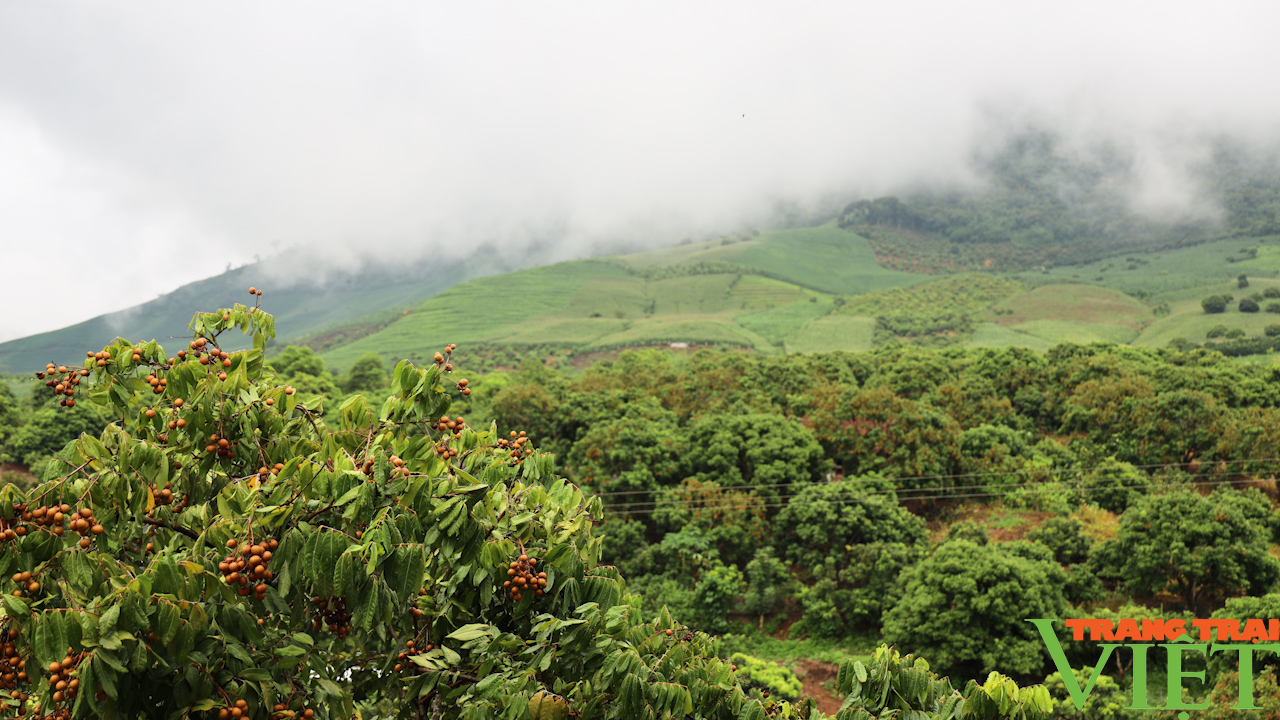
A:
[(965, 607), (220, 552), (759, 450), (1200, 549)]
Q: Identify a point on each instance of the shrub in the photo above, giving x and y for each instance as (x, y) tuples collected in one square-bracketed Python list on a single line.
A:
[(768, 676), (1216, 331), (1271, 292), (1237, 333), (1242, 280), (1273, 308), (1248, 306), (1272, 330), (1214, 304)]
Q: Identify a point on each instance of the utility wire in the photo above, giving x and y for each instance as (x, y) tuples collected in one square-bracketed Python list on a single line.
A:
[(913, 478), (1073, 486)]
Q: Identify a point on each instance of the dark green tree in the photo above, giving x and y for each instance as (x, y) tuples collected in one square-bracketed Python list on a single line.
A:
[(1201, 549), (1247, 305), (763, 451), (768, 584), (966, 607), (367, 376), (826, 518), (1065, 538), (1214, 304), (304, 370)]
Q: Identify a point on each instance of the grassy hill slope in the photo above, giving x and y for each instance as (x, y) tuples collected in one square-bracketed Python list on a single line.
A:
[(757, 292)]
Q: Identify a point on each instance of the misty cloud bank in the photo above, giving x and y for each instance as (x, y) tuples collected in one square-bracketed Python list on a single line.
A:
[(150, 144)]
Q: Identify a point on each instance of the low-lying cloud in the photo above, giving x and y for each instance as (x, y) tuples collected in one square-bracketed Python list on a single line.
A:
[(149, 144)]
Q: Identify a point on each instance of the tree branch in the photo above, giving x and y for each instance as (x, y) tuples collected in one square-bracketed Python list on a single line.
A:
[(176, 528)]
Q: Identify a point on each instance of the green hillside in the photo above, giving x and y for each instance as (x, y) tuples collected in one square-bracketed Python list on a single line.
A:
[(757, 292)]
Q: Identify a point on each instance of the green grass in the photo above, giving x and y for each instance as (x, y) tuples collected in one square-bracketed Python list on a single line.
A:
[(1078, 303), (677, 328), (1169, 274), (779, 324), (834, 332), (1080, 333), (1189, 321), (824, 258), (992, 335), (476, 311), (606, 304), (768, 647)]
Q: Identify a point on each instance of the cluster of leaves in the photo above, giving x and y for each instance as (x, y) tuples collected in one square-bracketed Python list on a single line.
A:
[(903, 685)]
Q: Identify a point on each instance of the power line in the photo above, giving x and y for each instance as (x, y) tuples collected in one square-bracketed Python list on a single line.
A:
[(951, 496), (905, 478)]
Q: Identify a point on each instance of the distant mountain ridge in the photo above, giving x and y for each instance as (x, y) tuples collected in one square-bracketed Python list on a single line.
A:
[(303, 307)]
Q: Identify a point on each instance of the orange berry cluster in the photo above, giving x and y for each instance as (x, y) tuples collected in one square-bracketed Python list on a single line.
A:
[(238, 709), (264, 472), (441, 360), (24, 579), (402, 657), (85, 525), (219, 445), (158, 385), (10, 530), (63, 381), (15, 666), (51, 516), (333, 613), (455, 426), (523, 578), (199, 349), (64, 686), (397, 469), (462, 386), (249, 565), (518, 445), (163, 496)]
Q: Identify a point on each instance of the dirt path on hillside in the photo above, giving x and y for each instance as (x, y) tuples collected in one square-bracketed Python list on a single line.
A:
[(813, 674)]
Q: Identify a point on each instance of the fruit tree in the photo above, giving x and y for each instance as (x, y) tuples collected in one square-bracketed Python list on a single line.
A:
[(221, 552)]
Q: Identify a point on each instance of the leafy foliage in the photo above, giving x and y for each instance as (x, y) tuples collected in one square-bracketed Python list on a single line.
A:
[(390, 539), (965, 606), (1201, 549)]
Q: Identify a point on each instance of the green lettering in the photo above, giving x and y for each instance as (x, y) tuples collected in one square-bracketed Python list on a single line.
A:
[(1176, 674), (1245, 689), (1051, 642), (1140, 677)]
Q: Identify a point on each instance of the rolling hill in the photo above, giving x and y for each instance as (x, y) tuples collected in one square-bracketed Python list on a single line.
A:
[(782, 291)]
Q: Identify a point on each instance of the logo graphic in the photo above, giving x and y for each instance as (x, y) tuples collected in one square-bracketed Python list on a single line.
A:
[(1245, 639)]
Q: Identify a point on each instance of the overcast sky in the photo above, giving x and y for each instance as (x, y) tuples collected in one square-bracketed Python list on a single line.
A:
[(147, 144)]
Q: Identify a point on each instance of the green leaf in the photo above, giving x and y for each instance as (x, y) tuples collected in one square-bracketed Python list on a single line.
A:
[(471, 632)]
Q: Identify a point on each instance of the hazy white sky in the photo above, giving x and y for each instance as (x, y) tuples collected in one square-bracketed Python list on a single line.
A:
[(147, 144)]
